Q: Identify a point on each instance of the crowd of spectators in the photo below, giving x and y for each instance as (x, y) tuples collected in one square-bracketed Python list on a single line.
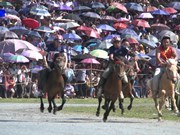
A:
[(20, 80)]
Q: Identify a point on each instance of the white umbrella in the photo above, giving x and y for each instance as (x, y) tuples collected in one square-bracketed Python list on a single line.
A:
[(32, 54)]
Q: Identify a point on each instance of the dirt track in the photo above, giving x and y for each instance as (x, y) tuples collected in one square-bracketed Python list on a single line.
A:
[(26, 119)]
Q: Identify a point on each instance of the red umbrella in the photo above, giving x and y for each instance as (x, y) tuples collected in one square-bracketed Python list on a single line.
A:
[(132, 40), (159, 26), (141, 23), (92, 33), (83, 28), (119, 6), (170, 10), (30, 23), (120, 26), (177, 27), (150, 9)]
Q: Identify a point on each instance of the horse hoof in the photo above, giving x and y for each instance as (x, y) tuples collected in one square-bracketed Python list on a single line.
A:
[(122, 111), (160, 114), (97, 114), (54, 112), (104, 119), (42, 110), (49, 110), (59, 108), (129, 107)]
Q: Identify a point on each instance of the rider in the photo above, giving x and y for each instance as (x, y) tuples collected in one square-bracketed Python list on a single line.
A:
[(114, 51), (163, 52)]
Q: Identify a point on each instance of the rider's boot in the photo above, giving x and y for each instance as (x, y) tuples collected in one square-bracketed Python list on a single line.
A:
[(124, 78), (100, 86)]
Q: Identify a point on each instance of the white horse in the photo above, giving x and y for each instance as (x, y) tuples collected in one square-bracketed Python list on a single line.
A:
[(166, 87)]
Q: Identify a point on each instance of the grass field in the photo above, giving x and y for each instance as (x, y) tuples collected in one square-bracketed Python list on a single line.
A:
[(142, 108)]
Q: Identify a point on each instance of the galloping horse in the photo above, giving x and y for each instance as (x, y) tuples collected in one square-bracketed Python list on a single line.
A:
[(166, 87), (112, 89), (128, 87), (53, 85)]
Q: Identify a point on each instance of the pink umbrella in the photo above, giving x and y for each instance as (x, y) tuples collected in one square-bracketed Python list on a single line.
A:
[(13, 45), (90, 61), (170, 10), (92, 33), (120, 6), (145, 15), (141, 23)]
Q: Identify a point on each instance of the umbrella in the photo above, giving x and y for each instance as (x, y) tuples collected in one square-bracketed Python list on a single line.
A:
[(39, 7), (52, 3), (105, 45), (168, 33), (106, 27), (39, 12), (36, 69), (11, 11), (81, 8), (80, 57), (145, 15), (74, 17), (132, 40), (3, 30), (2, 12), (92, 33), (19, 30), (71, 36), (150, 9), (13, 17), (95, 40), (83, 28), (44, 29), (32, 54), (91, 15), (134, 6), (80, 48), (1, 60), (5, 56), (141, 23), (70, 25), (148, 43), (108, 18), (99, 54), (10, 35), (123, 19), (119, 6), (142, 56), (34, 34), (175, 5), (13, 45), (128, 31), (111, 36), (97, 5), (64, 8), (17, 59), (120, 26), (170, 10), (30, 23), (159, 26), (6, 4), (159, 12), (90, 61), (152, 38)]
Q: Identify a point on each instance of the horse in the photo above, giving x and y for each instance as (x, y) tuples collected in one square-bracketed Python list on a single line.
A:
[(128, 87), (53, 85), (166, 87), (112, 89)]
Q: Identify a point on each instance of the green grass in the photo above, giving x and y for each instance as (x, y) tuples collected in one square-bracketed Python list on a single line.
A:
[(142, 108)]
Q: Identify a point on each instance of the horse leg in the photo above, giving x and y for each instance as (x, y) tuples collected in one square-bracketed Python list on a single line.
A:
[(50, 105), (161, 103), (174, 103), (54, 105), (63, 102), (42, 104), (106, 109), (121, 106), (99, 106), (131, 101)]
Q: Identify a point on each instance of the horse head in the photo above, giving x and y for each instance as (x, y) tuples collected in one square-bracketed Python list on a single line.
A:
[(119, 68), (171, 70), (60, 62)]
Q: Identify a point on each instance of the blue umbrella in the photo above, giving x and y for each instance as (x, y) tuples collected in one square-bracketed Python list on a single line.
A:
[(142, 56), (19, 30), (65, 8), (11, 11), (97, 41), (34, 33), (175, 5), (97, 5), (71, 36), (109, 37), (128, 31), (106, 27), (134, 6), (159, 12), (79, 48), (3, 30), (2, 12), (148, 43)]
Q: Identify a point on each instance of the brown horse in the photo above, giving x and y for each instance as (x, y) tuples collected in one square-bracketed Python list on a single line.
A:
[(53, 85), (128, 87), (112, 89), (166, 87)]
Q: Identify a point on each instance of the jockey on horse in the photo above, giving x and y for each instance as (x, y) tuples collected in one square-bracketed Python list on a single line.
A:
[(163, 52), (117, 50)]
